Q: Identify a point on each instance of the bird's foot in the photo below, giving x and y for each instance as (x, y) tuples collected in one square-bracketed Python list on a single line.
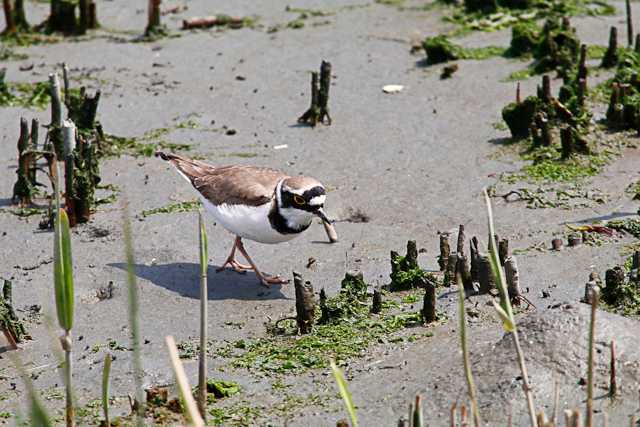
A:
[(235, 265), (272, 280)]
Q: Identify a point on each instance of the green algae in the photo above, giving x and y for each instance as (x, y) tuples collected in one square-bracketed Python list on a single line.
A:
[(177, 207)]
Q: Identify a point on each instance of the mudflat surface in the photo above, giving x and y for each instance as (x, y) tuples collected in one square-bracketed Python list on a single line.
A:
[(415, 162)]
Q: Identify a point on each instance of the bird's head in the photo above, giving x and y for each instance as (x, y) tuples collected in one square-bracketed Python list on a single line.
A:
[(299, 199)]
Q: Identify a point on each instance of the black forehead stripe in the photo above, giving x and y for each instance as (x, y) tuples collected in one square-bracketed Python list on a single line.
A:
[(315, 191)]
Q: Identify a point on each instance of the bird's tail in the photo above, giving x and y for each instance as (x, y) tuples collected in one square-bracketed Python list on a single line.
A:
[(188, 168)]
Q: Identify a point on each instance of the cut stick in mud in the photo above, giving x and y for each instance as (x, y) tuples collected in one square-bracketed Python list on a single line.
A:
[(556, 244), (153, 17), (503, 250), (613, 384), (518, 98), (69, 140), (55, 128), (318, 112), (629, 24), (445, 250), (610, 58), (412, 254), (9, 17), (450, 277), (23, 189), (462, 270), (636, 46), (461, 239), (474, 255), (575, 240), (566, 142), (513, 280), (546, 89), (429, 303), (342, 423), (485, 275), (305, 304), (582, 65), (376, 305)]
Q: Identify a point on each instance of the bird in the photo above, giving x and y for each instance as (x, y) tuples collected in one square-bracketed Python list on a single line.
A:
[(255, 203)]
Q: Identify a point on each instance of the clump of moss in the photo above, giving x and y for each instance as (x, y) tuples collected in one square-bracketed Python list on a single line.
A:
[(219, 389), (525, 37), (348, 303), (519, 116), (439, 49), (621, 294)]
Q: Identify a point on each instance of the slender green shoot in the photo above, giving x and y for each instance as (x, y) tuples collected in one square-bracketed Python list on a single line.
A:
[(38, 413), (105, 389), (595, 298), (63, 287), (417, 419), (133, 314), (471, 387), (506, 312), (344, 392), (183, 384), (202, 366)]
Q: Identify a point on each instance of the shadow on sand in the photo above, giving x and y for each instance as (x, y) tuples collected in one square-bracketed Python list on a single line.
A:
[(183, 278)]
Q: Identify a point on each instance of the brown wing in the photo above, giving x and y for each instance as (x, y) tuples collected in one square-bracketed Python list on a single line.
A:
[(233, 185)]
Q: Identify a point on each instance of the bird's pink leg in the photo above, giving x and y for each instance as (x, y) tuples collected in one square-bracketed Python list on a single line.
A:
[(231, 260), (264, 279)]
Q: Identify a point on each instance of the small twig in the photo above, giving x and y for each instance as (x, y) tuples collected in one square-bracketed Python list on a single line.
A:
[(592, 333)]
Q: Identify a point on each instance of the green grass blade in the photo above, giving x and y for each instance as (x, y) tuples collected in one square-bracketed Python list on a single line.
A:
[(344, 392), (202, 360), (501, 283), (105, 388), (63, 270)]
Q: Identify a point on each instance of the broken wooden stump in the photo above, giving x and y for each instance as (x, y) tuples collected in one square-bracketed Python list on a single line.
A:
[(428, 312), (503, 250), (556, 244), (87, 14), (512, 277), (486, 278), (629, 24), (445, 251), (82, 109), (566, 141), (450, 277), (412, 254), (55, 127), (318, 112), (463, 273), (305, 304), (12, 328), (376, 304), (475, 253), (613, 383), (154, 27), (24, 189), (461, 239)]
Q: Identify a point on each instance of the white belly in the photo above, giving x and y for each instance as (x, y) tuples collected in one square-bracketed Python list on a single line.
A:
[(249, 222)]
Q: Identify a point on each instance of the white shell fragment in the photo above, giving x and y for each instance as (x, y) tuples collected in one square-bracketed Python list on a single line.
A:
[(280, 147), (392, 88)]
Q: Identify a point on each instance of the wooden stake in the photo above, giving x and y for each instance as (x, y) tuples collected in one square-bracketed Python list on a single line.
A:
[(305, 304), (513, 280), (450, 277), (461, 239), (55, 128), (592, 352), (8, 17), (518, 100), (323, 96), (412, 254), (445, 250), (566, 140), (473, 250), (376, 305), (629, 24), (503, 250), (311, 115), (582, 67), (153, 16), (613, 384), (429, 303), (610, 57), (546, 88), (462, 270), (485, 275)]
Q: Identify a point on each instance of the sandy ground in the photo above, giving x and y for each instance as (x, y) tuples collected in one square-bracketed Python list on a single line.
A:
[(415, 162)]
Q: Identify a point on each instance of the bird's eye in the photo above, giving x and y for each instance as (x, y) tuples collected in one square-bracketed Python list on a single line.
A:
[(299, 200)]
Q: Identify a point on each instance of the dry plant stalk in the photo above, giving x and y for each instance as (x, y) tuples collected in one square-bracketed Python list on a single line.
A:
[(613, 384), (471, 388), (595, 297), (183, 384)]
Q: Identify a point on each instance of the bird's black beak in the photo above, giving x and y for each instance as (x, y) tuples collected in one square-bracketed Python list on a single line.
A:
[(323, 216)]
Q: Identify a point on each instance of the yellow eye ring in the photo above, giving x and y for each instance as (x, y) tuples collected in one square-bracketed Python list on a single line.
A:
[(299, 200)]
